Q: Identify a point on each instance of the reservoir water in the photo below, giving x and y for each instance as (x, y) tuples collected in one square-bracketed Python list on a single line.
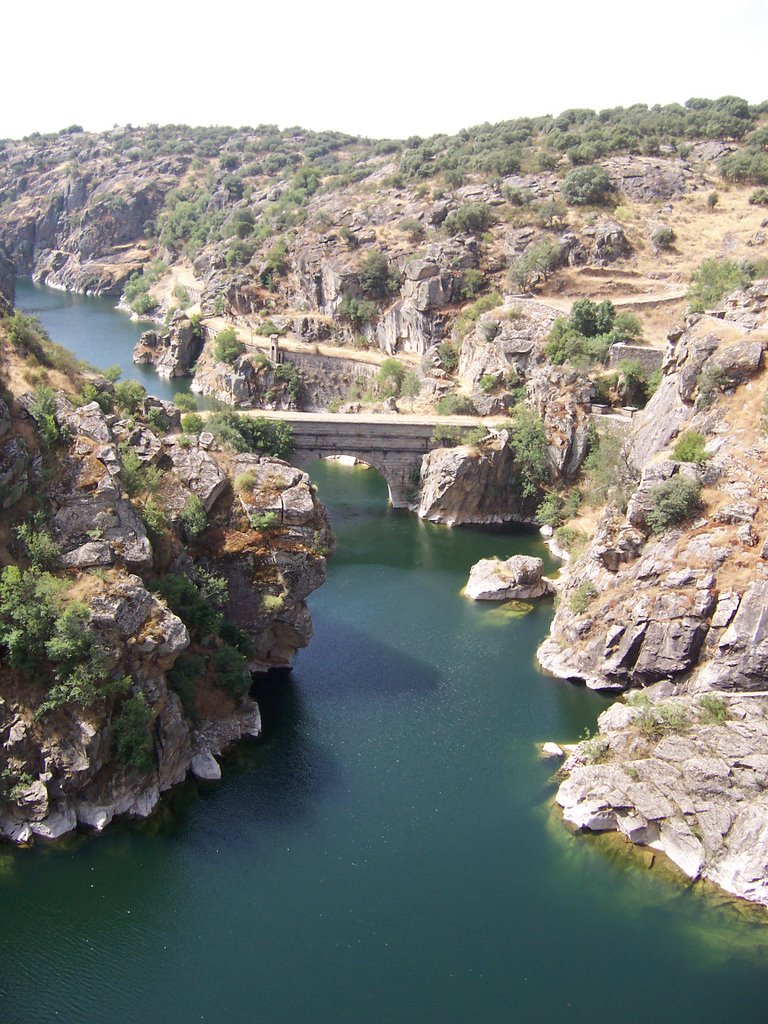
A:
[(386, 853), (93, 328)]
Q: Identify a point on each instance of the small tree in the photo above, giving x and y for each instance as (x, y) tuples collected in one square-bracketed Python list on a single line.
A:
[(586, 186), (193, 517), (377, 278), (470, 219), (690, 447), (590, 319), (672, 502), (529, 440), (228, 346), (129, 395), (390, 377)]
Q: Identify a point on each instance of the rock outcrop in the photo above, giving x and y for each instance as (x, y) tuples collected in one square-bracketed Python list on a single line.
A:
[(64, 758), (472, 484), (677, 606), (687, 778), (173, 351), (520, 577)]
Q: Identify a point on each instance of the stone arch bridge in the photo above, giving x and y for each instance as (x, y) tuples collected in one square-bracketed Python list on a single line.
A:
[(393, 445)]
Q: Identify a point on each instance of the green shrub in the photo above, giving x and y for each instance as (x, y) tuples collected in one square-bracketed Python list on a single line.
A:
[(185, 401), (187, 671), (635, 382), (227, 346), (582, 597), (263, 521), (528, 437), (134, 746), (138, 476), (455, 405), (590, 318), (570, 539), (448, 356), (358, 311), (657, 720), (193, 517), (610, 479), (586, 186), (44, 413), (28, 336), (288, 374), (377, 278), (271, 603), (245, 481), (759, 197), (713, 710), (42, 550), (472, 283), (714, 279), (79, 663), (536, 263), (157, 420), (626, 325), (191, 602), (129, 395), (689, 447), (390, 377), (252, 433), (471, 314), (413, 228), (192, 423), (663, 237), (672, 502), (551, 511), (474, 218), (181, 294), (91, 393), (711, 382), (29, 605), (153, 517), (446, 435), (586, 336), (231, 669)]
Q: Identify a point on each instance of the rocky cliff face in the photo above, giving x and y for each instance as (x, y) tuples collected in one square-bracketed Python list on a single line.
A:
[(680, 612), (473, 484), (7, 284), (172, 351), (72, 760)]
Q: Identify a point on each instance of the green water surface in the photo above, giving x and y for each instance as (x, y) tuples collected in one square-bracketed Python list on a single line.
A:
[(385, 855)]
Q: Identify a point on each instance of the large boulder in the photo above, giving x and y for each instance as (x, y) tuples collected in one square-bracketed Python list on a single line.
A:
[(519, 577), (472, 484)]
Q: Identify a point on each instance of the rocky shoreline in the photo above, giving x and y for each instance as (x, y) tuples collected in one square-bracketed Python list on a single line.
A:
[(676, 617), (174, 689)]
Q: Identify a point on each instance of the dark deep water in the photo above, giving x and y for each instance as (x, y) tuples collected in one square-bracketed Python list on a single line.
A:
[(385, 854)]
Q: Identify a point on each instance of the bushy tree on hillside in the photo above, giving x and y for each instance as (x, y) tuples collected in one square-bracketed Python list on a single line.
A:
[(586, 186)]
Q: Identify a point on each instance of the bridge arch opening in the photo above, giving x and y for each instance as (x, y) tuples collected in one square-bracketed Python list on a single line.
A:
[(359, 461)]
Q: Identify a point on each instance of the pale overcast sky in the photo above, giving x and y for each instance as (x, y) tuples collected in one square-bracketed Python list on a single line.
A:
[(394, 69)]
